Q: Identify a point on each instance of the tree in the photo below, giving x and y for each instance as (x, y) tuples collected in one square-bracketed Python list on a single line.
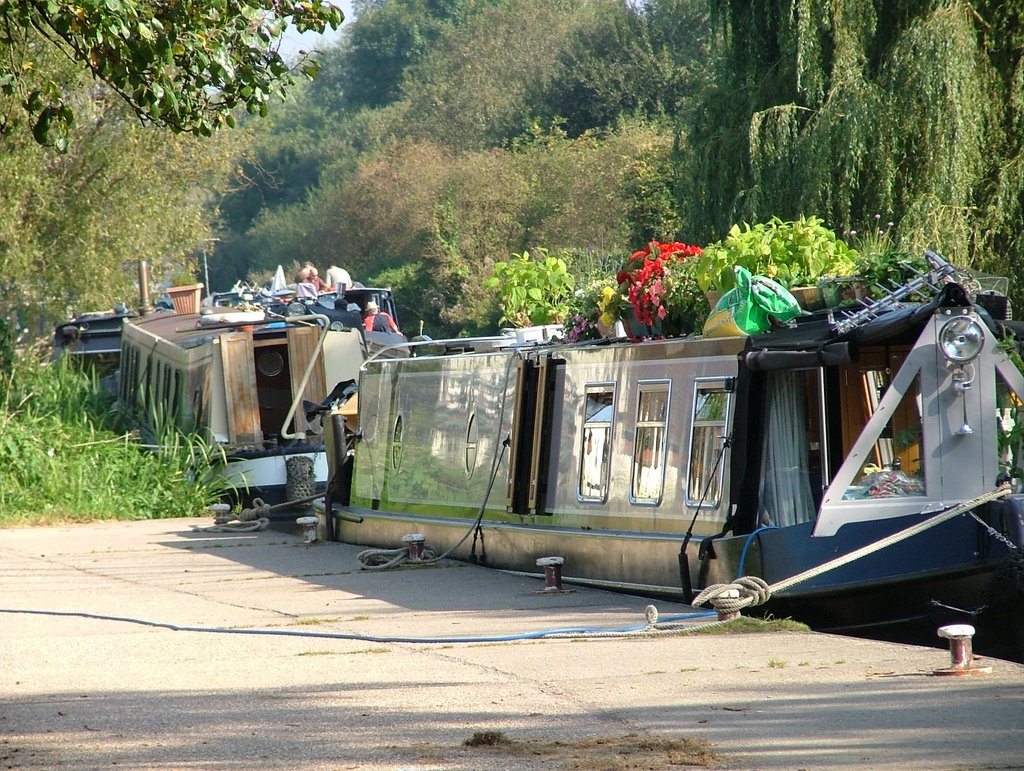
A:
[(185, 65), (848, 108), (74, 225), (479, 85), (627, 60)]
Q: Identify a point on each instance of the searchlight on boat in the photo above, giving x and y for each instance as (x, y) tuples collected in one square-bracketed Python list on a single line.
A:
[(961, 339)]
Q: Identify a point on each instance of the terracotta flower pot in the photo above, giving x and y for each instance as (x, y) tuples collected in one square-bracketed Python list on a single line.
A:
[(185, 298)]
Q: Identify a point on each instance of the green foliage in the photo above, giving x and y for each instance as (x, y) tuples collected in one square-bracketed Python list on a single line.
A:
[(74, 225), (853, 107), (385, 41), (177, 65), (479, 85), (65, 458), (625, 59), (650, 201), (533, 290), (882, 263), (795, 253)]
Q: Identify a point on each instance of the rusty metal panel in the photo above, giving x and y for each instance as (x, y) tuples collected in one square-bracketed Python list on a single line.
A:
[(243, 411), (302, 347)]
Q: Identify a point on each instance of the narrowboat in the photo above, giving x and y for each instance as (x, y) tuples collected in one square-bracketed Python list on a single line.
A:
[(251, 378), (860, 464), (93, 337)]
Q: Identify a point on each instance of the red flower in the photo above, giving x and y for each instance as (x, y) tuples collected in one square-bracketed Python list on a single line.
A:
[(647, 279)]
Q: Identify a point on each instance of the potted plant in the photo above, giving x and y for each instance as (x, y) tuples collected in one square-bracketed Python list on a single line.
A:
[(185, 293), (797, 254), (533, 291), (881, 264), (662, 292), (594, 310)]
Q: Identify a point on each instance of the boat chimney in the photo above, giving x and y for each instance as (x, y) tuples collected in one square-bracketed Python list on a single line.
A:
[(144, 305)]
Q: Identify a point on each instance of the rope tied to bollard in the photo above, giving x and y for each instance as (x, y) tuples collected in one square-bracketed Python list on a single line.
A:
[(750, 591)]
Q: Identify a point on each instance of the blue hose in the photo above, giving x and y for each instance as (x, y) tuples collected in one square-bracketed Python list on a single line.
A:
[(360, 637), (746, 545)]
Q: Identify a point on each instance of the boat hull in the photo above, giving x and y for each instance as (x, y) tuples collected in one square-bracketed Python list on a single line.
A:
[(276, 476), (903, 592)]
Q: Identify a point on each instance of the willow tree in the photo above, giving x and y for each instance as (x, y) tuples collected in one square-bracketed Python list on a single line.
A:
[(849, 108)]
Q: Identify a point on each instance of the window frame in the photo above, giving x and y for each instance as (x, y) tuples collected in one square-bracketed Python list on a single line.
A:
[(709, 385), (607, 426), (644, 387)]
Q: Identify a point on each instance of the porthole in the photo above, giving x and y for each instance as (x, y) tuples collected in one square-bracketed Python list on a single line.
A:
[(270, 363), (396, 444), (472, 439)]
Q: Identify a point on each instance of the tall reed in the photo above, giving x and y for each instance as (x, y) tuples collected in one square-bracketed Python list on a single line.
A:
[(67, 456)]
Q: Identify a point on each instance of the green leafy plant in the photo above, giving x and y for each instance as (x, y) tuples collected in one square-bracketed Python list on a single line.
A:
[(795, 253), (177, 65), (66, 456), (533, 290), (881, 264)]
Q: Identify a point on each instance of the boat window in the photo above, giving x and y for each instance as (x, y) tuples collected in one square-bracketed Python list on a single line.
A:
[(176, 395), (147, 387), (711, 402), (130, 357), (595, 446), (895, 466), (649, 443), (165, 377), (472, 437), (396, 444)]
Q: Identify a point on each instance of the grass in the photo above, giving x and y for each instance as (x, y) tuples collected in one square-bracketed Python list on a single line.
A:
[(68, 456), (747, 625)]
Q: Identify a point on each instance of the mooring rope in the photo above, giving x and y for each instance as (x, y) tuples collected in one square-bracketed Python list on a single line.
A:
[(750, 591), (382, 559)]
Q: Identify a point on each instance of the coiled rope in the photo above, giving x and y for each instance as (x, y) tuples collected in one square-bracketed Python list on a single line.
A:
[(750, 591), (253, 518), (382, 559)]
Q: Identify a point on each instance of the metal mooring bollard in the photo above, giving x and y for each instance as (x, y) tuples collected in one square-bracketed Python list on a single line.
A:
[(959, 636), (221, 512), (728, 615), (415, 542), (308, 525), (552, 574)]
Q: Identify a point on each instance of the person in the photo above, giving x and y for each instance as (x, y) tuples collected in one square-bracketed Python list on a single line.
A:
[(338, 278), (306, 286), (316, 281), (377, 320)]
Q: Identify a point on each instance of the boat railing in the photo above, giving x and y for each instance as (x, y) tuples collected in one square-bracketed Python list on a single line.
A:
[(922, 281), (453, 345)]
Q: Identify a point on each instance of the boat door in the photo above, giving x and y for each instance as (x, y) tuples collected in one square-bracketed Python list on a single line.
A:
[(530, 450)]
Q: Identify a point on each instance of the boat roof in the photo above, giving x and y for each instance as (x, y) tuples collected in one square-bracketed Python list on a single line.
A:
[(188, 330)]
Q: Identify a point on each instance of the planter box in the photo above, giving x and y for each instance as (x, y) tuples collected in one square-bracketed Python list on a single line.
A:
[(185, 298), (809, 297)]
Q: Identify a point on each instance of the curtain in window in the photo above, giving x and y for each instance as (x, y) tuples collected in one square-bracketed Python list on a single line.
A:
[(785, 492)]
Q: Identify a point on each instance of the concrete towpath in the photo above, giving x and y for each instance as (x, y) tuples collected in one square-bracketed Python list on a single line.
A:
[(292, 657)]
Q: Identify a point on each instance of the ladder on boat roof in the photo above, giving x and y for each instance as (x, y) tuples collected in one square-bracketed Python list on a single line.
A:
[(928, 281)]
